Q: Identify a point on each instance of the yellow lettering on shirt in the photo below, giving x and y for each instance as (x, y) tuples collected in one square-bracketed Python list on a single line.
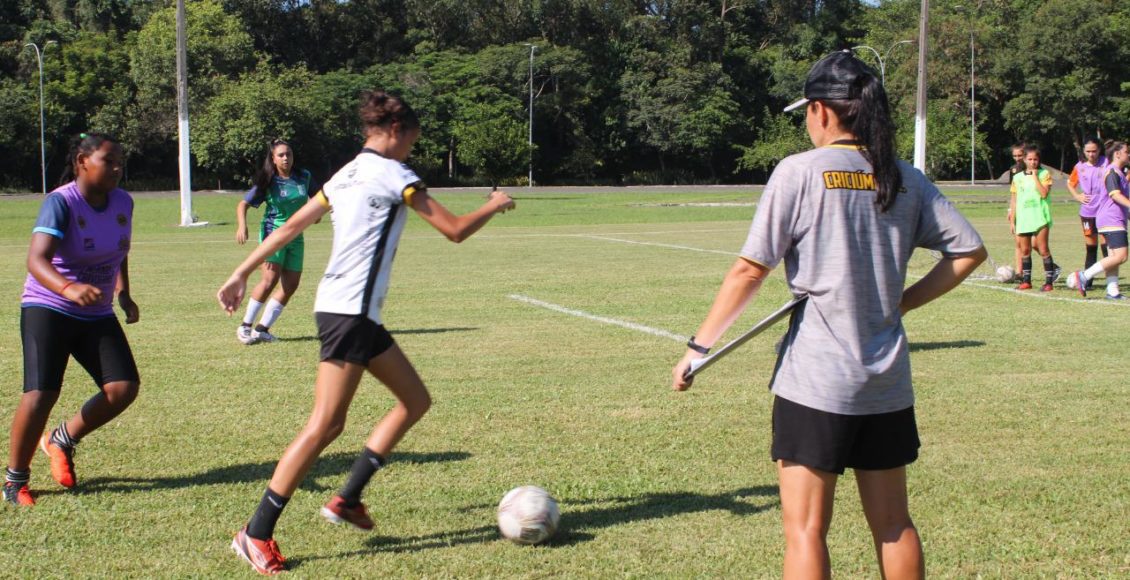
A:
[(849, 180)]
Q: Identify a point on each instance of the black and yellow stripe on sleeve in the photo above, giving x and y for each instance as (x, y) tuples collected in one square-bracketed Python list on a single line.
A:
[(322, 199), (413, 189)]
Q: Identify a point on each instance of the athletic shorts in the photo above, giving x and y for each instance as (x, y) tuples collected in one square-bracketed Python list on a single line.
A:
[(289, 256), (50, 338), (1115, 239), (353, 338), (831, 442), (1089, 227)]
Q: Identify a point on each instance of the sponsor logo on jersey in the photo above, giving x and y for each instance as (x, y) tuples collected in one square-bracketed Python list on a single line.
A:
[(122, 220), (849, 180)]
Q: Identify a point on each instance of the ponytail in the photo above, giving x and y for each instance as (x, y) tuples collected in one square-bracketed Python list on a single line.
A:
[(265, 175), (868, 118), (81, 144), (380, 109)]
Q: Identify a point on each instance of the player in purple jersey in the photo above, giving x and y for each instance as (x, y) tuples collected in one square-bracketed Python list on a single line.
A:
[(76, 263), (1086, 185), (1110, 218)]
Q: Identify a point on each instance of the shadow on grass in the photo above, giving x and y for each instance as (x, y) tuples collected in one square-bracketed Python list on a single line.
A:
[(333, 464), (579, 520), (922, 346)]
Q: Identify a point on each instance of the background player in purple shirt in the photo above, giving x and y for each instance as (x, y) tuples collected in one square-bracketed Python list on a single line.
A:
[(76, 262)]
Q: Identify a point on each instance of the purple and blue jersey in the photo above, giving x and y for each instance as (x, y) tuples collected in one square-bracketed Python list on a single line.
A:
[(93, 242)]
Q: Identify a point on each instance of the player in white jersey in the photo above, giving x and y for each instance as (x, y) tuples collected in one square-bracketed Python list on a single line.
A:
[(844, 218), (369, 197)]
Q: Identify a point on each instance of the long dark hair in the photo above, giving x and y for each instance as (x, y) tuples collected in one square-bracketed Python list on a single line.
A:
[(82, 144), (1114, 147), (265, 175), (868, 118)]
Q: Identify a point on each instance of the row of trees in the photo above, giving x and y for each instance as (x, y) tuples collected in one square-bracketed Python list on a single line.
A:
[(625, 91)]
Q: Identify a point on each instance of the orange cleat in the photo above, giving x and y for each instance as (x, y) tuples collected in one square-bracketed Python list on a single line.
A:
[(62, 461), (18, 494), (336, 512), (263, 555)]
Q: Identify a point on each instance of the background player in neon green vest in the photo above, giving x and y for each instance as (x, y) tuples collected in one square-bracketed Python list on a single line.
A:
[(1032, 219), (285, 190)]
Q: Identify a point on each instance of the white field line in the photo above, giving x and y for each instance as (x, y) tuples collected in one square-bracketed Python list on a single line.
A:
[(656, 244), (602, 319)]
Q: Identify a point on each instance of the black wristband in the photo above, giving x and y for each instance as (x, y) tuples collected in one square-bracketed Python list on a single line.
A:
[(691, 344)]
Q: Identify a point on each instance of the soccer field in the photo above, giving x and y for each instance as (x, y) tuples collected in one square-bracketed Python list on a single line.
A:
[(547, 341)]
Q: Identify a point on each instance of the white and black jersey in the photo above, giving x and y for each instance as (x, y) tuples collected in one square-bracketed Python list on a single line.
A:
[(369, 197)]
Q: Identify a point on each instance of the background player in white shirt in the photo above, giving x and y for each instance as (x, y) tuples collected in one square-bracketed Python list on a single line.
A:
[(369, 197)]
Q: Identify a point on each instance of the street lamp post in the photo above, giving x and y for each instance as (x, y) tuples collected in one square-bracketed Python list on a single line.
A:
[(972, 115), (530, 142), (42, 140), (883, 59)]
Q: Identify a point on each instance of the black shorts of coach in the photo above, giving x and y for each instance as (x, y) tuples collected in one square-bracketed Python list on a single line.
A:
[(50, 338), (832, 442), (353, 338)]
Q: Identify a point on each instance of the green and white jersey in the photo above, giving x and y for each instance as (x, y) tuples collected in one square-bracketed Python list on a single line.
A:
[(284, 198), (369, 197), (846, 350)]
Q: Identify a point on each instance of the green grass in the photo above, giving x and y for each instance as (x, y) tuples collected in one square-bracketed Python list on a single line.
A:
[(1022, 407)]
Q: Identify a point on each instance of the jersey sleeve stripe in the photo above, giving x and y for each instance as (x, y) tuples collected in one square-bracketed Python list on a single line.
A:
[(48, 231), (322, 199), (411, 189)]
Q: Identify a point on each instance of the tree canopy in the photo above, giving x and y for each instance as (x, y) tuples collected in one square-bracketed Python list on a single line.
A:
[(624, 91)]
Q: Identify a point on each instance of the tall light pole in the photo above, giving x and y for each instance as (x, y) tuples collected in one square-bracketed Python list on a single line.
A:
[(42, 140), (530, 142), (182, 119), (972, 115), (883, 59), (920, 100)]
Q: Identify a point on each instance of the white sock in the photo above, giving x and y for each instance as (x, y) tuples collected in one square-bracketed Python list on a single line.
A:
[(253, 308), (1094, 271), (272, 313), (1112, 286)]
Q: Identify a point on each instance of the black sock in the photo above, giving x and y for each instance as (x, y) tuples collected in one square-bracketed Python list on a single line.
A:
[(262, 524), (62, 438), (363, 469), (261, 328), (1103, 248), (1026, 269), (17, 477), (1049, 269), (1092, 256)]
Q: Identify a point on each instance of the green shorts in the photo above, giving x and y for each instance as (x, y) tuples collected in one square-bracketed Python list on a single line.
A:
[(289, 256)]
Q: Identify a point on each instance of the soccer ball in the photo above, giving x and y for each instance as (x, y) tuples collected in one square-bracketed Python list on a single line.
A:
[(528, 515), (1073, 281), (1005, 274)]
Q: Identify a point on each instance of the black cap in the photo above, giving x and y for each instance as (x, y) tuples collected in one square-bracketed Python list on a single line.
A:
[(835, 77)]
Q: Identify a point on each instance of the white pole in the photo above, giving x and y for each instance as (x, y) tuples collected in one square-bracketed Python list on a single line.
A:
[(42, 139), (972, 116), (182, 120), (920, 108), (530, 152)]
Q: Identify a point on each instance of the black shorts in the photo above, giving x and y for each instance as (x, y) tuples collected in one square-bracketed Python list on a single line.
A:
[(1088, 224), (50, 338), (1115, 239), (353, 338), (831, 442)]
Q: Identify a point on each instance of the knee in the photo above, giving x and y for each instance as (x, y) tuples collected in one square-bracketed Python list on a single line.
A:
[(418, 406), (122, 392), (40, 402), (322, 433), (893, 529)]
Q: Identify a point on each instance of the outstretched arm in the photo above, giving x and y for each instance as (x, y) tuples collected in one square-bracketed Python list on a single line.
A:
[(231, 293), (458, 228)]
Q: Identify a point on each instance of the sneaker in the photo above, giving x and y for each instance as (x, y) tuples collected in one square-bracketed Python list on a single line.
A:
[(18, 494), (1115, 297), (1046, 288), (1080, 282), (263, 336), (62, 461), (245, 334), (1024, 286), (263, 555), (336, 512), (1056, 271)]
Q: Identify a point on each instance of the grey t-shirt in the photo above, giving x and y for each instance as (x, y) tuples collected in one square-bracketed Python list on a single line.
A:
[(846, 350)]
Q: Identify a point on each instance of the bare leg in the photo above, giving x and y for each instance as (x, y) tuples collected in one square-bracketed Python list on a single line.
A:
[(333, 392), (412, 399), (271, 274), (289, 286), (102, 408), (1041, 242), (806, 510), (897, 544), (27, 426)]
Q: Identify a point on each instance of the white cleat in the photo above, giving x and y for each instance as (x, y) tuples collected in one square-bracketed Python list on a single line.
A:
[(263, 336), (245, 335)]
